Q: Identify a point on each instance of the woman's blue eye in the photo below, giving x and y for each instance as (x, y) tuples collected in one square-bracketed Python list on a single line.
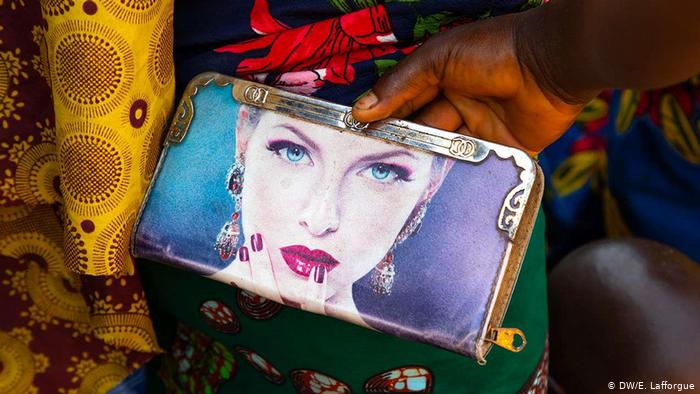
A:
[(290, 152), (381, 171), (386, 173), (295, 153)]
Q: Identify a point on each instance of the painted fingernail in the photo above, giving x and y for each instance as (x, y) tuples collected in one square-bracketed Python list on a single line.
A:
[(243, 254), (367, 101), (256, 242), (320, 274)]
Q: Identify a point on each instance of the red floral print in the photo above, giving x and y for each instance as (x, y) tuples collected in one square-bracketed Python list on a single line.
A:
[(343, 41)]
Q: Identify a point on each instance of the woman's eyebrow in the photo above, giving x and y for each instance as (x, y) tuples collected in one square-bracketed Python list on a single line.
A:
[(388, 155), (308, 141)]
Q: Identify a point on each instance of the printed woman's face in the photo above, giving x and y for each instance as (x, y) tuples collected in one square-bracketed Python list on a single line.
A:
[(320, 197)]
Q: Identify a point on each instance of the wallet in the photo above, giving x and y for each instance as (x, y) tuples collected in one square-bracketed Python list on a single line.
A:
[(395, 226)]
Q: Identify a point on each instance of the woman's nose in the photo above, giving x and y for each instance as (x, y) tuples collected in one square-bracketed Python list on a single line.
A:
[(321, 216)]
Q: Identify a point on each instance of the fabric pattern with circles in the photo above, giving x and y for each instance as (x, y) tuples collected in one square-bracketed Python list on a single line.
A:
[(127, 330), (136, 114), (56, 7), (96, 168), (256, 307), (67, 73), (111, 106), (112, 245), (56, 295), (8, 214), (92, 67), (150, 156), (102, 378), (30, 243), (37, 175), (74, 247), (133, 11), (160, 54), (17, 360)]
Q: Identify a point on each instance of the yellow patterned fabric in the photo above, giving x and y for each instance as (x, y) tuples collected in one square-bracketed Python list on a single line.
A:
[(86, 88), (112, 78), (50, 339)]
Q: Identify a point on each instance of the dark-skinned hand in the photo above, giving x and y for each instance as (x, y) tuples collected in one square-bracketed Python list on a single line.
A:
[(521, 79), (471, 76)]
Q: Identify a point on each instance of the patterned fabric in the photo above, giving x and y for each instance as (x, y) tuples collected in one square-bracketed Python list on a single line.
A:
[(70, 184), (334, 49), (111, 74), (629, 167), (196, 363), (47, 343)]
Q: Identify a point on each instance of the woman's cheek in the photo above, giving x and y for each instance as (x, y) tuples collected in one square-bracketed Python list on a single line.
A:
[(382, 214), (282, 177), (384, 211), (387, 202)]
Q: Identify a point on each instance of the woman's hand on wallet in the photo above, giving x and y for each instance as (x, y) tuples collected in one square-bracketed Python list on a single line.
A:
[(471, 76), (253, 269), (254, 272)]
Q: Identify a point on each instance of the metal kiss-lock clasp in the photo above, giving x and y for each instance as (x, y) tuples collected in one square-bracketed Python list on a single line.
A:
[(255, 94), (353, 123), (506, 337)]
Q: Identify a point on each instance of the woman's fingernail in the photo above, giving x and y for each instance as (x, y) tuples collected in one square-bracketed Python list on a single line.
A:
[(243, 253), (320, 274), (256, 242), (367, 101)]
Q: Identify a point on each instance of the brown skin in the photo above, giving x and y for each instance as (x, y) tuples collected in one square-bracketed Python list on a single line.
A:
[(521, 79), (624, 310), (478, 83)]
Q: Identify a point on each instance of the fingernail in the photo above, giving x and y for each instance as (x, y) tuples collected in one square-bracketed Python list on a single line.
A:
[(367, 101), (320, 274), (256, 242), (243, 253)]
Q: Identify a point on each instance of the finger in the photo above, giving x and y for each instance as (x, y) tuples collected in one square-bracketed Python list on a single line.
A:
[(464, 131), (417, 103), (263, 278), (441, 114), (242, 268), (402, 85), (238, 272), (483, 122), (315, 297)]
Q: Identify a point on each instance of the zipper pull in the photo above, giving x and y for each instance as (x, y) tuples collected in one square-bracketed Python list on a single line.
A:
[(505, 338)]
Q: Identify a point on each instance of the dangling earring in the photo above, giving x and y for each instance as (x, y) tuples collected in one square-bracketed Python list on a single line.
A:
[(382, 279), (413, 225), (229, 235)]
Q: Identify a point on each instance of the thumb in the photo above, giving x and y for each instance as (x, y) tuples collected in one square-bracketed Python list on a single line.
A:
[(412, 83)]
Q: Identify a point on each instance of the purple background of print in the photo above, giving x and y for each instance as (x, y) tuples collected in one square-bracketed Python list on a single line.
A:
[(444, 273)]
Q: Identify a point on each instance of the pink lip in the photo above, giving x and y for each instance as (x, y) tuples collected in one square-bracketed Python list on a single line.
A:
[(301, 260)]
